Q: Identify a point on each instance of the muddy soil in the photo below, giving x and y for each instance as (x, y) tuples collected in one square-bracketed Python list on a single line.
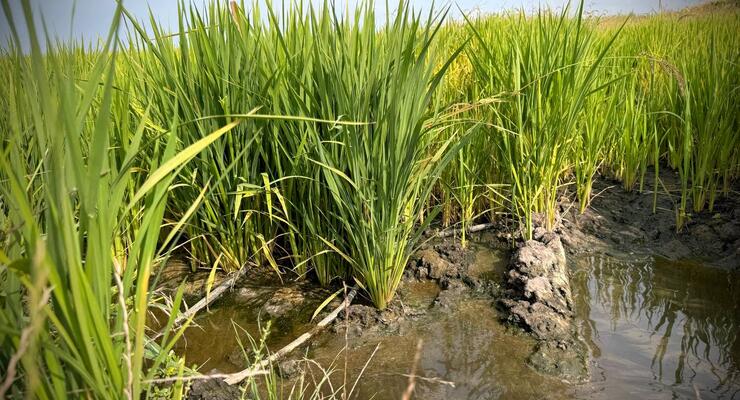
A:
[(623, 223), (436, 278)]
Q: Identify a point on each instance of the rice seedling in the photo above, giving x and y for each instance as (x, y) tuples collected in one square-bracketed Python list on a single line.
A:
[(379, 175), (592, 144), (203, 75), (634, 136)]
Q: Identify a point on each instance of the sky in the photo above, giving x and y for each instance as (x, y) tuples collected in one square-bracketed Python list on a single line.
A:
[(90, 19)]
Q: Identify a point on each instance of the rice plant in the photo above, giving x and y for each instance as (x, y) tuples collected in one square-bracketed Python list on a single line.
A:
[(75, 266), (547, 69), (379, 175)]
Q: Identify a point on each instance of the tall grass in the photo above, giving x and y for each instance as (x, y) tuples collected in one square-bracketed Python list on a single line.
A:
[(208, 74), (684, 81), (564, 98), (545, 68), (84, 183), (379, 175), (336, 190), (81, 241)]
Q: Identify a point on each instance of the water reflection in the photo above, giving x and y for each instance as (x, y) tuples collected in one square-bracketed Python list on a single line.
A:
[(657, 326), (467, 346)]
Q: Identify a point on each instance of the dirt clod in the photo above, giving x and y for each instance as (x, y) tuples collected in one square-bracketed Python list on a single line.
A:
[(289, 369), (432, 262)]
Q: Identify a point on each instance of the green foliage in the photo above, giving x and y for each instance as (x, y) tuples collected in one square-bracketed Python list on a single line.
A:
[(544, 70), (562, 98), (81, 232), (318, 190)]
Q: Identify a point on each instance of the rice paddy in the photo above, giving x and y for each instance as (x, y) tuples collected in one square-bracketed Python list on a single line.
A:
[(321, 143)]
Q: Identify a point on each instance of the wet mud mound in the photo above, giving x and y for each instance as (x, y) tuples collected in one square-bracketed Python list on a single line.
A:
[(538, 299)]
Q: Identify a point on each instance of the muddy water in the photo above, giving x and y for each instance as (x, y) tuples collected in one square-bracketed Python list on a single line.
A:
[(216, 338), (466, 354), (655, 329), (659, 329)]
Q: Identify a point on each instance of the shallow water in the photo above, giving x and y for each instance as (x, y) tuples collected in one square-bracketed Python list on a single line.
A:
[(217, 336), (467, 348), (659, 329), (655, 329), (467, 352)]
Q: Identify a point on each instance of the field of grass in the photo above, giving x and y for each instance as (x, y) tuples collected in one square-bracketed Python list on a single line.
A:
[(319, 143)]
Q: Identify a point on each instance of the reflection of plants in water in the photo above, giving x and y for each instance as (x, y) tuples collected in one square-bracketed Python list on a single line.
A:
[(470, 347), (464, 354), (677, 303)]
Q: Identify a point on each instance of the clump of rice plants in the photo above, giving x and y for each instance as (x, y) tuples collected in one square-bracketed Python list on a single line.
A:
[(684, 84), (546, 69), (203, 75), (378, 175), (340, 184), (563, 98)]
